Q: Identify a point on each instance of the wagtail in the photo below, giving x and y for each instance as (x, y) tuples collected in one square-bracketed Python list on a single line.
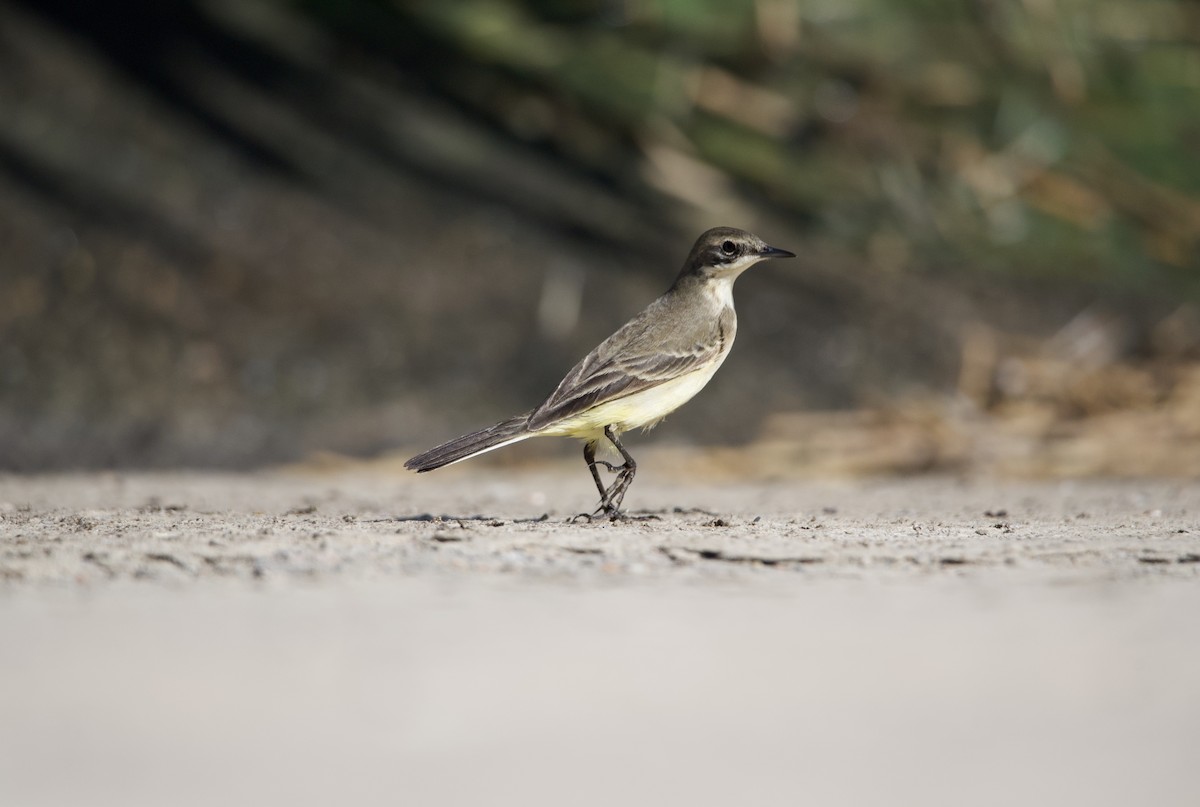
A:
[(650, 367)]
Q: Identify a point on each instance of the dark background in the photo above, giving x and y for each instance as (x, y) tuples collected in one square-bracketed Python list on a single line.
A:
[(234, 233)]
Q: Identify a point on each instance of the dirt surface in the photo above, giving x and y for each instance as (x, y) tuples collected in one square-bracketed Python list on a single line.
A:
[(363, 636), (304, 527)]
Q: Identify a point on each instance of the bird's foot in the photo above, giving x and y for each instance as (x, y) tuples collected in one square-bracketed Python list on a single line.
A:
[(623, 515), (612, 514), (606, 510)]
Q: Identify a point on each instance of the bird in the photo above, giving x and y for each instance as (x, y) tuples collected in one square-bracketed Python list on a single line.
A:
[(647, 369)]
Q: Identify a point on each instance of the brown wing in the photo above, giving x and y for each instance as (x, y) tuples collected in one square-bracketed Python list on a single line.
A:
[(652, 348)]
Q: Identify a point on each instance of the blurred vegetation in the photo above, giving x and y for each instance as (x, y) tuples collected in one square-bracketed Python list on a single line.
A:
[(235, 231), (1045, 137)]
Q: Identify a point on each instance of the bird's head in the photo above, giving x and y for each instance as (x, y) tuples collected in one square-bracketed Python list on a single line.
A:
[(726, 252)]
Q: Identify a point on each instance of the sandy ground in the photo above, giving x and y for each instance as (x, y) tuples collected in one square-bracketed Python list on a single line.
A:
[(369, 637)]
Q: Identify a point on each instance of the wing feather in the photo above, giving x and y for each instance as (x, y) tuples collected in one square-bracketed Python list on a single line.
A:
[(633, 359)]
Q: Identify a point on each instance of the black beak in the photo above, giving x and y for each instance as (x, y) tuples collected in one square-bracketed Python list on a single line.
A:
[(775, 252)]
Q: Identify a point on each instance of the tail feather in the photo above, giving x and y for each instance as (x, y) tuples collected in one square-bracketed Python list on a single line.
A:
[(461, 448)]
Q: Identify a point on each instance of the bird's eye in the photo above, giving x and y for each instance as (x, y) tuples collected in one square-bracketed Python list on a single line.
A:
[(729, 247)]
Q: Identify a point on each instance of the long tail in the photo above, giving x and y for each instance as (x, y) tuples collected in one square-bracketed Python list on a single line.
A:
[(461, 448)]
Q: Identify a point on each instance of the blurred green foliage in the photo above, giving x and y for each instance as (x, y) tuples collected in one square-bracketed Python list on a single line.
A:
[(1038, 137)]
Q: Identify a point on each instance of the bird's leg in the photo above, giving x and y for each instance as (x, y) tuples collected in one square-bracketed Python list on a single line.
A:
[(610, 500), (589, 456)]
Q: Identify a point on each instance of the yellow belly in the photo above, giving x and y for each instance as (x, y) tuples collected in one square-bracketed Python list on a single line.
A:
[(639, 410)]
